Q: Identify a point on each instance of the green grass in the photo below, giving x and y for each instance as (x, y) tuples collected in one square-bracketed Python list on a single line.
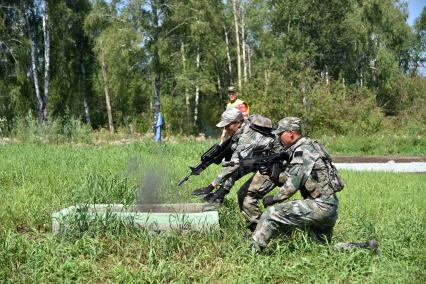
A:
[(410, 145), (36, 180)]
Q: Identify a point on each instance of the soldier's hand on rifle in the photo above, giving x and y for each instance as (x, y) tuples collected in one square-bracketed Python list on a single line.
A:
[(264, 170), (268, 201), (203, 190)]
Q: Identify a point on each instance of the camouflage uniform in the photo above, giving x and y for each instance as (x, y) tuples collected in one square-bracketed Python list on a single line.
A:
[(245, 142), (254, 189), (253, 137), (311, 171)]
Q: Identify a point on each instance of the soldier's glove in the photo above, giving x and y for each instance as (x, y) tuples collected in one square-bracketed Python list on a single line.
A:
[(203, 190), (268, 201), (216, 197), (264, 170)]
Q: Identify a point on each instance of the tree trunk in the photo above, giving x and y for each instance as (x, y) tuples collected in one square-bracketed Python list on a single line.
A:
[(267, 77), (237, 40), (249, 60), (243, 47), (156, 64), (46, 57), (182, 50), (228, 56), (107, 97), (327, 79), (197, 91), (83, 88), (32, 35)]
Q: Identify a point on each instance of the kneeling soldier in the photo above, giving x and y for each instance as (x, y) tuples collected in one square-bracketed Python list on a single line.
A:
[(311, 171), (248, 138)]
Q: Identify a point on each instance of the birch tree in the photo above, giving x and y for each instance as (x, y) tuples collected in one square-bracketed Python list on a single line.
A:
[(228, 55), (46, 57), (237, 41), (243, 40), (32, 27)]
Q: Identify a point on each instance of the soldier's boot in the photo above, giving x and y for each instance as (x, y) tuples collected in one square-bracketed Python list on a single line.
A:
[(217, 197), (321, 235), (372, 245), (252, 227), (203, 190)]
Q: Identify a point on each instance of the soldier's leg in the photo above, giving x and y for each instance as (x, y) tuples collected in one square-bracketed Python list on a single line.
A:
[(219, 195), (242, 192), (250, 193), (296, 214)]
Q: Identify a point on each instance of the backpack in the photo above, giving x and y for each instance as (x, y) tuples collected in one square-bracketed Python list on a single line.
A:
[(336, 180)]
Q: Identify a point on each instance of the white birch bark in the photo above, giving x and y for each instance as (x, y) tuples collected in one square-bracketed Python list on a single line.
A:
[(182, 50), (32, 35), (267, 76), (107, 96), (327, 79), (249, 60), (228, 54), (46, 57), (156, 63), (33, 45), (83, 88), (237, 40), (243, 47), (197, 91)]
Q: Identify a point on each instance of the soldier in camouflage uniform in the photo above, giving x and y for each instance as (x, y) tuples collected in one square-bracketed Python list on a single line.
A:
[(248, 138), (253, 190), (311, 171)]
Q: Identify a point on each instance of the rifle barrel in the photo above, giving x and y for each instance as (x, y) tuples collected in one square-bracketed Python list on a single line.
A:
[(184, 179)]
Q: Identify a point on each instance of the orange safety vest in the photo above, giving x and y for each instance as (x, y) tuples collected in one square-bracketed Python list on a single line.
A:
[(241, 105)]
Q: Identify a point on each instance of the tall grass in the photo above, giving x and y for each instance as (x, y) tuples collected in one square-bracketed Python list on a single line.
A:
[(72, 130), (38, 179), (60, 130)]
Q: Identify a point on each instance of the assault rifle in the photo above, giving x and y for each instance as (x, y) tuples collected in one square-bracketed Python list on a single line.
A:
[(215, 155), (259, 161), (271, 164)]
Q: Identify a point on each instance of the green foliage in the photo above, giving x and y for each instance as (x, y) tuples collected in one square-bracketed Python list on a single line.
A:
[(343, 67), (67, 130), (38, 180)]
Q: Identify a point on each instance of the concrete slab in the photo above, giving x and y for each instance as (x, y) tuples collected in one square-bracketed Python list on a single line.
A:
[(154, 217)]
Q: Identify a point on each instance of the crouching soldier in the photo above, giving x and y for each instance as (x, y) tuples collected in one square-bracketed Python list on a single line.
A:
[(248, 138), (311, 171)]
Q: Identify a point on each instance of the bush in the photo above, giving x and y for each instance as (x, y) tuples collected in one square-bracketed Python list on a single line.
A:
[(67, 130)]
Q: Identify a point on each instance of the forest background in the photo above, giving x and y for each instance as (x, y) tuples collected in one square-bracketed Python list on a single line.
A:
[(345, 67)]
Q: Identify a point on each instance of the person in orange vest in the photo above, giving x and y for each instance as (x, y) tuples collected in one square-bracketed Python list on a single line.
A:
[(234, 101)]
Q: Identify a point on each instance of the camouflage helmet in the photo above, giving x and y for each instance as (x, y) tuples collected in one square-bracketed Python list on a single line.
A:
[(288, 124), (231, 89), (230, 115), (261, 121)]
